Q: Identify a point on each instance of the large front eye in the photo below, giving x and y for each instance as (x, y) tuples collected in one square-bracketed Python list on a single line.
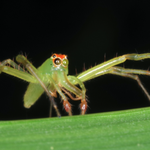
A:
[(65, 62), (57, 61)]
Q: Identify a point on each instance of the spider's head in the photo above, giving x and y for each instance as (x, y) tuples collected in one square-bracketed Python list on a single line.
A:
[(57, 62)]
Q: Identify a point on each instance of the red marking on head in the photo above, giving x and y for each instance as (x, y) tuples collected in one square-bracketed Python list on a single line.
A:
[(61, 56)]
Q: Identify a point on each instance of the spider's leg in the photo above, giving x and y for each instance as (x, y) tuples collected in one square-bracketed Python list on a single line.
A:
[(83, 105), (55, 87), (50, 109), (101, 68), (130, 74), (15, 70), (51, 88), (125, 73), (66, 104), (131, 71), (69, 94), (21, 59)]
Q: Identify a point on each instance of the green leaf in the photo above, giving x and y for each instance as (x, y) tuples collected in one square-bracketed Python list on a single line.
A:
[(121, 130)]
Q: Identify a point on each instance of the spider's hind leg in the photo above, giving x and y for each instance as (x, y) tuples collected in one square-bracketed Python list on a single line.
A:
[(130, 74)]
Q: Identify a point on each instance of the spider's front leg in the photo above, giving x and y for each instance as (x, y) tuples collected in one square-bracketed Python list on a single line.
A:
[(8, 66), (79, 93), (55, 87), (62, 84)]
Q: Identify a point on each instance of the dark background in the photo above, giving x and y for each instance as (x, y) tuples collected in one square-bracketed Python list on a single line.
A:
[(86, 31)]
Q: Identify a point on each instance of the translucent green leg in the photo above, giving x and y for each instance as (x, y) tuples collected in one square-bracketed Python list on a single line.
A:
[(90, 73), (16, 70), (130, 74), (74, 79), (131, 71), (83, 105), (126, 73), (51, 88), (55, 86), (21, 59), (66, 104)]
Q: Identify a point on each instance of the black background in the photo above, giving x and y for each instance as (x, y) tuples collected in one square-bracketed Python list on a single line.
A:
[(86, 31)]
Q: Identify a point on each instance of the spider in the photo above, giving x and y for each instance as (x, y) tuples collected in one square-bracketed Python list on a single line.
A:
[(52, 78)]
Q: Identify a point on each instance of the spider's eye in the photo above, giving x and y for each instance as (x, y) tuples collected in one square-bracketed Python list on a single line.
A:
[(54, 56), (57, 61), (65, 62)]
